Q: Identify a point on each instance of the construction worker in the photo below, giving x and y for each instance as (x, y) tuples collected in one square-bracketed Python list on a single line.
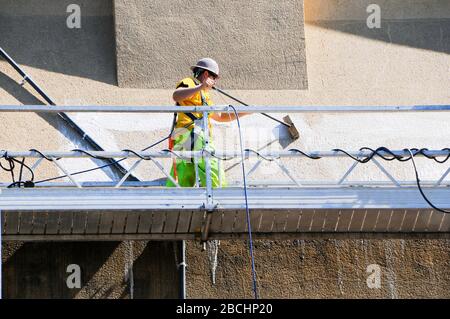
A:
[(188, 134)]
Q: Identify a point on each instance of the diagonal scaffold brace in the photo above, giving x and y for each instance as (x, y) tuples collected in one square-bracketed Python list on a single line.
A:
[(83, 135)]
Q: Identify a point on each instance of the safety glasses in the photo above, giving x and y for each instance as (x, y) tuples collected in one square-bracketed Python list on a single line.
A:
[(214, 76)]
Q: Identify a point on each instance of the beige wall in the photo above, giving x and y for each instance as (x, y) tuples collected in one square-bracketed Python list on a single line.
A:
[(356, 10), (323, 269), (157, 41)]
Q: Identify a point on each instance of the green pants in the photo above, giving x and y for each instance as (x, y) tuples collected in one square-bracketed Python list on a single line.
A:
[(186, 168)]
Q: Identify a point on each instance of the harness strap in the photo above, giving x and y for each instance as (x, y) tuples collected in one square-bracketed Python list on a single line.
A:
[(171, 144), (193, 118)]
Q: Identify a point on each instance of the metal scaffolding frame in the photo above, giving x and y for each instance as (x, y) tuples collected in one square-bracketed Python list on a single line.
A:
[(223, 108), (272, 156), (292, 207)]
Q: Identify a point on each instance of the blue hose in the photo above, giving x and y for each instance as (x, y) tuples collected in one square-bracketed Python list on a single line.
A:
[(255, 288)]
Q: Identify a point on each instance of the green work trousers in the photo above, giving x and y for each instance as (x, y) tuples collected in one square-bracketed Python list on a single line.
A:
[(185, 168)]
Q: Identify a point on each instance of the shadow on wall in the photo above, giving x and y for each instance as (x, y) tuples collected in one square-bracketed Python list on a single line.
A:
[(39, 270), (17, 91), (23, 96), (156, 272), (36, 34), (26, 98), (422, 24), (427, 34)]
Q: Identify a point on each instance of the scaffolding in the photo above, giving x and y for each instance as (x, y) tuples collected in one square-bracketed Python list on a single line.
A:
[(284, 208)]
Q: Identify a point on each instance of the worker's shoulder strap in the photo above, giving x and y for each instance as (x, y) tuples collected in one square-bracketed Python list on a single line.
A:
[(192, 116), (188, 114), (204, 101), (187, 82)]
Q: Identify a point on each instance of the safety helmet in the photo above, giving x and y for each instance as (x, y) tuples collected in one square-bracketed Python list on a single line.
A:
[(207, 64)]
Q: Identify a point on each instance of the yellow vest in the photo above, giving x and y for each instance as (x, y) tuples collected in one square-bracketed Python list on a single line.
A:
[(194, 100)]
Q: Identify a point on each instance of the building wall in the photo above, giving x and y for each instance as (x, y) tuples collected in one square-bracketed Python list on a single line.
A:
[(333, 268), (172, 35), (406, 62), (106, 270)]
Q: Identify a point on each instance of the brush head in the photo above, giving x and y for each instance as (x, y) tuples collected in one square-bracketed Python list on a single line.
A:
[(293, 132)]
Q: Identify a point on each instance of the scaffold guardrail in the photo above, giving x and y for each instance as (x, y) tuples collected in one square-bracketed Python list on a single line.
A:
[(384, 205)]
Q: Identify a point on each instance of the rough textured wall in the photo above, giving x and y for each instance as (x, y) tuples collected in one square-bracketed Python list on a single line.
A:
[(323, 269), (107, 270), (37, 34), (156, 40)]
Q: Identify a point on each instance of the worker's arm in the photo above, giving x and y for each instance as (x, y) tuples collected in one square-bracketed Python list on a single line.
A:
[(181, 93), (226, 117)]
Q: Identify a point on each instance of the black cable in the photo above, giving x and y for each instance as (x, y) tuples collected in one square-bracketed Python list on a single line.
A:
[(11, 165), (42, 155), (76, 173), (379, 152), (21, 168), (11, 161), (172, 152), (138, 155), (422, 151), (249, 150), (89, 154), (11, 168), (305, 154), (113, 162), (351, 156), (99, 167), (420, 187), (218, 157), (400, 158), (25, 184), (413, 152)]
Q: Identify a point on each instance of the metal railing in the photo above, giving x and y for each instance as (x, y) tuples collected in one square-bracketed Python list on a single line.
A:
[(272, 156), (224, 108)]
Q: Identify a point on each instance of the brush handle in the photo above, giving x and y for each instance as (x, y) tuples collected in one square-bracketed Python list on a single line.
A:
[(245, 104)]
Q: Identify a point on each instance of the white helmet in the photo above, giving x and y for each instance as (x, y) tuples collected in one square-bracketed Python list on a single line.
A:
[(207, 64)]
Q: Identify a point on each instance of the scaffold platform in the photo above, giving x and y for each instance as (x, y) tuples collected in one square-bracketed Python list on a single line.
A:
[(291, 208)]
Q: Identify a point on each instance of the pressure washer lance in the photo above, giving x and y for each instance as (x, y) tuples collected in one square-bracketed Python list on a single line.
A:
[(293, 132)]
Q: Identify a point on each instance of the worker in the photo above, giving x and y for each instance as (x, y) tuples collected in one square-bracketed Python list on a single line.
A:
[(188, 134)]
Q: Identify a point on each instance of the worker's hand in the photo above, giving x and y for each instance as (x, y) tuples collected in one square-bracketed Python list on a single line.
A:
[(207, 83)]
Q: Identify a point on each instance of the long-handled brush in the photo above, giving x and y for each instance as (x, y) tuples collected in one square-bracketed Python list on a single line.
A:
[(293, 132)]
